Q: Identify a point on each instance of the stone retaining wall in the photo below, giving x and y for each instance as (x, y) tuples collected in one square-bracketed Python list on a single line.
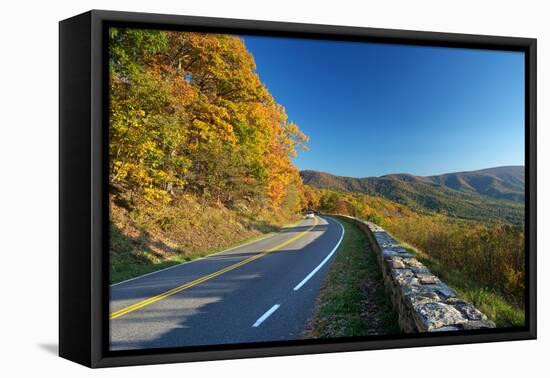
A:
[(423, 302)]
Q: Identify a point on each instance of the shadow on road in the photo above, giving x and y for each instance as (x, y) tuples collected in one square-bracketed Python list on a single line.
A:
[(163, 281), (319, 227)]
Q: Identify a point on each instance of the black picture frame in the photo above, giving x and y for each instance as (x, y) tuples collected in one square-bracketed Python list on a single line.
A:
[(83, 204)]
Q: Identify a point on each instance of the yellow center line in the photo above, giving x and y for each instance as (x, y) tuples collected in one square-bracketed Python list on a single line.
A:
[(156, 298)]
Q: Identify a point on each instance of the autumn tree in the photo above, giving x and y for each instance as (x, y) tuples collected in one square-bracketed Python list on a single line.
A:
[(190, 114)]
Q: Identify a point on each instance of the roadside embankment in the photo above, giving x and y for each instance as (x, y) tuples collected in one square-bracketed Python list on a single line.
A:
[(148, 237)]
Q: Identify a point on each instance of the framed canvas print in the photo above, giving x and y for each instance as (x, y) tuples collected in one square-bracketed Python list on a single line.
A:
[(234, 188)]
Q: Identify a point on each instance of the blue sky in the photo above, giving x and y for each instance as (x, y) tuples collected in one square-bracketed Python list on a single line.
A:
[(373, 109)]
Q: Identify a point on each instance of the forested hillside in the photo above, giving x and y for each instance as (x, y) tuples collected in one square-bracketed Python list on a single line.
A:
[(200, 152), (490, 195), (501, 183)]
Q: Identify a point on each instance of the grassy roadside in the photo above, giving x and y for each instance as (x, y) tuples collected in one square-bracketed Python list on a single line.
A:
[(491, 303), (353, 301)]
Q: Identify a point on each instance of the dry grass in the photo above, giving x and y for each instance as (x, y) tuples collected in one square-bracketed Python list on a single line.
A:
[(488, 255), (147, 237)]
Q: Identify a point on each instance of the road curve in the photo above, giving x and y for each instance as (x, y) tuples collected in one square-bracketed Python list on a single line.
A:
[(261, 291)]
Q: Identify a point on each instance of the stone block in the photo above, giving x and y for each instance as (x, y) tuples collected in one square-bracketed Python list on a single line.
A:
[(426, 278), (415, 299), (470, 311), (478, 324), (445, 291), (431, 316), (395, 263), (404, 277), (454, 300), (413, 262), (446, 328), (420, 270)]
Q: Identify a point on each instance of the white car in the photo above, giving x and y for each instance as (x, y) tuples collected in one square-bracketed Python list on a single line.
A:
[(310, 215)]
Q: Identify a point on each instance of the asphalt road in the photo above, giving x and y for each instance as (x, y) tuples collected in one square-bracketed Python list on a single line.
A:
[(262, 291)]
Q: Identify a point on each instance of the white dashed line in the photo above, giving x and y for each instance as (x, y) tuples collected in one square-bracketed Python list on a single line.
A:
[(266, 315)]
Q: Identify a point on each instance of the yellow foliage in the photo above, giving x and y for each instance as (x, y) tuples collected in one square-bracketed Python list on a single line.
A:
[(189, 113)]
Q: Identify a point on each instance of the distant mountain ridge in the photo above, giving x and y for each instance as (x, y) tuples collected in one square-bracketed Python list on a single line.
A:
[(498, 193), (502, 183)]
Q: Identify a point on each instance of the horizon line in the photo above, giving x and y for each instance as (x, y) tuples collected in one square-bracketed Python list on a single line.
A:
[(411, 174)]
